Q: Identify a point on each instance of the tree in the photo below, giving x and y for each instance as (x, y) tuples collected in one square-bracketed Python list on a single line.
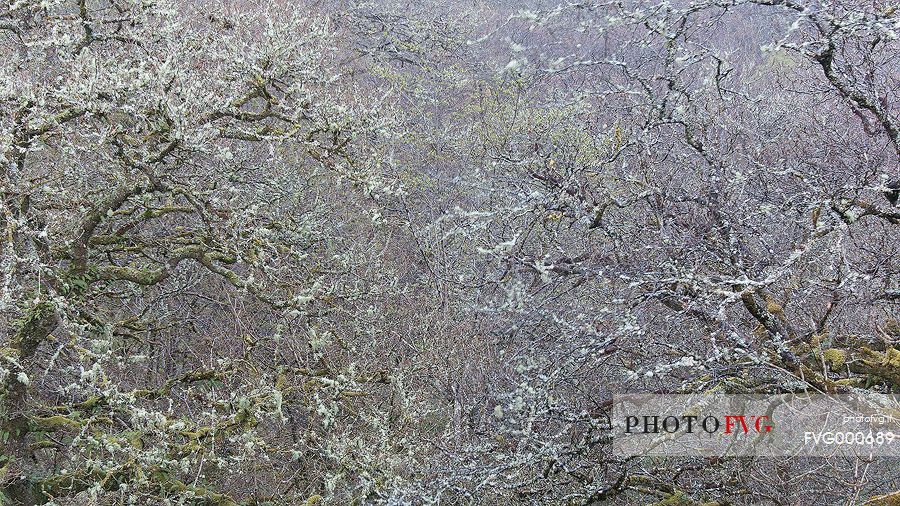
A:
[(381, 253), (173, 231)]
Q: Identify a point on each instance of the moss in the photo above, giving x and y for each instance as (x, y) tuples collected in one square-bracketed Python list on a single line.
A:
[(816, 340), (855, 382), (37, 323), (892, 327), (760, 332), (679, 498), (141, 277), (134, 439), (201, 494), (884, 364), (90, 403), (221, 257), (54, 423), (892, 499), (676, 499), (835, 357), (802, 349)]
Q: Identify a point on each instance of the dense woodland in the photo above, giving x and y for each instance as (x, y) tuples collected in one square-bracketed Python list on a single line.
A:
[(334, 252)]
